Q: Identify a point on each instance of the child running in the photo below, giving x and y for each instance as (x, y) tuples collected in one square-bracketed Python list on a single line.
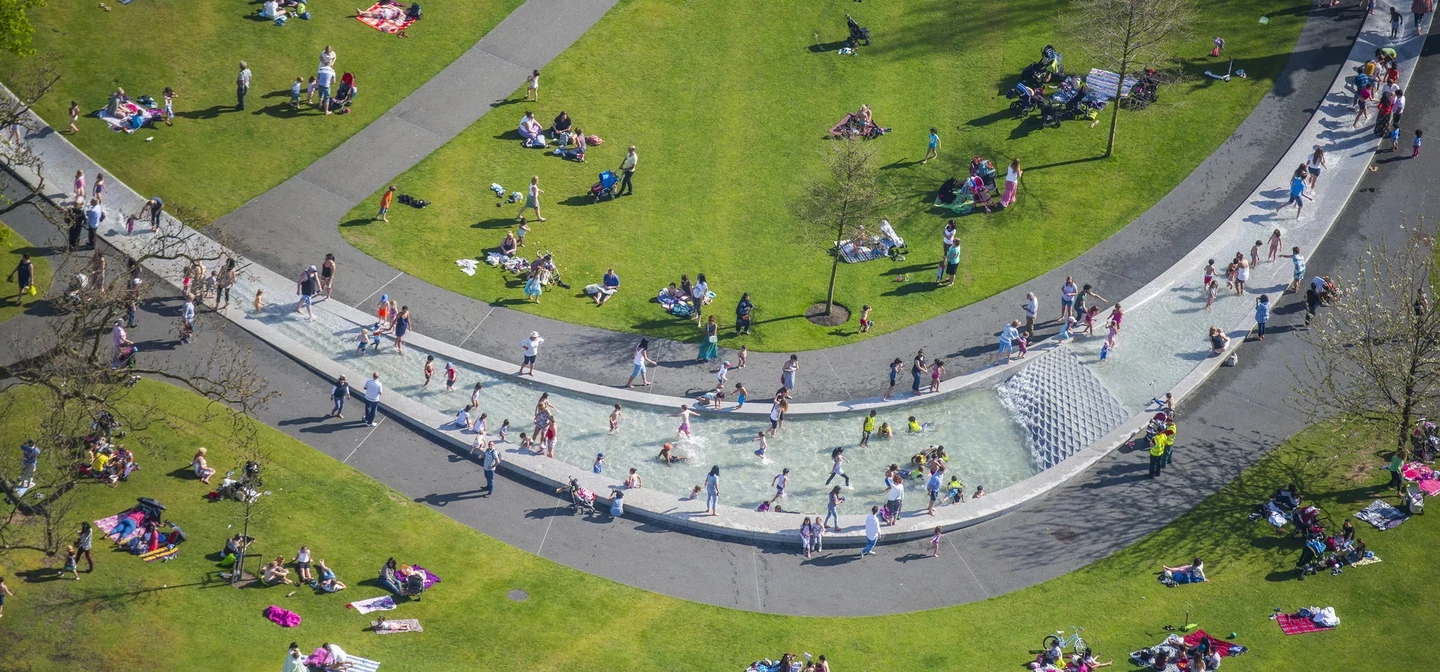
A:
[(684, 416), (760, 452), (429, 369)]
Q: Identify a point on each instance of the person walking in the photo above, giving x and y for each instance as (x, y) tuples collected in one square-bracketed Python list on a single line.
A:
[(1068, 292), (307, 287), (1012, 181), (1420, 8), (29, 461), (787, 374), (838, 460), (917, 372), (4, 592), (832, 508), (709, 346), (373, 390), (712, 491), (328, 269), (242, 85), (532, 200), (24, 274), (154, 207), (1297, 187), (1262, 314), (338, 394), (866, 429), (744, 311), (1317, 163), (627, 171), (932, 148), (894, 376), (489, 463), (93, 215), (402, 327), (1298, 261), (872, 531), (83, 544), (531, 349), (1007, 342), (639, 359), (894, 498)]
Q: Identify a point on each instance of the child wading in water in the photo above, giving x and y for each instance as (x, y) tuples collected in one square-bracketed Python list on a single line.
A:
[(614, 421)]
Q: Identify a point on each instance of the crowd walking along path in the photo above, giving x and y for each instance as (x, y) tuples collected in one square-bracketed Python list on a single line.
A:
[(323, 343), (294, 225)]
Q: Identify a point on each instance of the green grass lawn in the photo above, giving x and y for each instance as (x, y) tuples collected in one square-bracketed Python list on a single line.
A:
[(124, 616), (12, 246), (729, 107), (215, 158)]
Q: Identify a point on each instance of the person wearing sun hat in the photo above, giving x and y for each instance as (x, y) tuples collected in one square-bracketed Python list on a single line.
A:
[(531, 348)]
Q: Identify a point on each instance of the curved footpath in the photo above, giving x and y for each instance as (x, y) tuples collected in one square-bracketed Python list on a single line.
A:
[(1228, 422), (748, 524), (303, 214)]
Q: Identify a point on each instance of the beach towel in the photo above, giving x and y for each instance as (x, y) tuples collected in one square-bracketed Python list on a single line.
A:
[(385, 26), (1367, 560), (1102, 84), (162, 553), (409, 624), (467, 266), (430, 577), (1275, 516), (1219, 646), (282, 617), (105, 525), (382, 603), (1295, 624), (359, 664), (1381, 515), (854, 254)]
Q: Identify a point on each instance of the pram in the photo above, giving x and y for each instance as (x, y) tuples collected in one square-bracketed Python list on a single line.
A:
[(1026, 98), (582, 501), (125, 358), (1143, 93), (605, 189), (1050, 66), (858, 33)]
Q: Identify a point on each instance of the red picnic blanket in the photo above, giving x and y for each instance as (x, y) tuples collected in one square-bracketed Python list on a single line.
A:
[(1294, 624), (390, 26), (1219, 646)]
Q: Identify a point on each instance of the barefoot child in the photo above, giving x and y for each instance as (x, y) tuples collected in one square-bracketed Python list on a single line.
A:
[(864, 318), (504, 429), (599, 465), (740, 361), (740, 394), (429, 369), (935, 543), (450, 374), (259, 299), (684, 416), (760, 452), (614, 421)]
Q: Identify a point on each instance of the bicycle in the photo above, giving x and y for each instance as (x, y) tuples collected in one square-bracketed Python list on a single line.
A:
[(1075, 641)]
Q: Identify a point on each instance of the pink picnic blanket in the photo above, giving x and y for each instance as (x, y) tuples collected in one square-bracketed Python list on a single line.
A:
[(430, 577), (1424, 477), (390, 26), (282, 617), (105, 525)]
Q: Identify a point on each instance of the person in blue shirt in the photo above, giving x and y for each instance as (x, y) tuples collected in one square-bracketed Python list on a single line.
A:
[(1262, 314), (609, 285), (1297, 188)]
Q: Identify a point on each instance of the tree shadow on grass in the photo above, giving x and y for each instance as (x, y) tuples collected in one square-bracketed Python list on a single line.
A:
[(988, 119)]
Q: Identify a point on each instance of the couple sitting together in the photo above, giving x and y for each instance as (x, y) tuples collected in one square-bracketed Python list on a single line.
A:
[(570, 140)]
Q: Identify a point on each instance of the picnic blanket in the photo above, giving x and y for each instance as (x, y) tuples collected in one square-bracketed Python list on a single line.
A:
[(118, 124), (1424, 477), (282, 617), (854, 254), (1102, 84), (107, 524), (1367, 560), (386, 25), (407, 625), (1172, 647), (1295, 624), (382, 603), (1219, 646), (358, 664), (1381, 515), (430, 577)]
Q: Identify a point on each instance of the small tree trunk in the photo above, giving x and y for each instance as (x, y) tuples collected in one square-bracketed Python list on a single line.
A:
[(1115, 115), (834, 268)]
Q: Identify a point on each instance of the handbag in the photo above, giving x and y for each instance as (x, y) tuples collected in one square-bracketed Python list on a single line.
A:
[(710, 338)]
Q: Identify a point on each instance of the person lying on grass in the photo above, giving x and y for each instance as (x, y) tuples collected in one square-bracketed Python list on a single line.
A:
[(1195, 571)]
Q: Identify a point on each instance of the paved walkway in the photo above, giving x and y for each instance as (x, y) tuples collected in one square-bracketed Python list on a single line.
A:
[(1229, 422), (304, 211)]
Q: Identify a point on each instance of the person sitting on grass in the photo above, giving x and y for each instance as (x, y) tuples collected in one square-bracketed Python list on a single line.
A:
[(530, 131), (390, 576), (202, 469), (327, 582), (508, 244), (561, 128), (1191, 573), (271, 10), (608, 286), (274, 573)]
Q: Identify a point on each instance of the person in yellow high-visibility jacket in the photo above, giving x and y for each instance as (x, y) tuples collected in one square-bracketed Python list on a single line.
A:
[(1157, 454), (1169, 441)]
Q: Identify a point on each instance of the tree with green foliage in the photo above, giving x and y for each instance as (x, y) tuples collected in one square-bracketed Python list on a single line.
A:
[(16, 33), (835, 207), (1125, 37)]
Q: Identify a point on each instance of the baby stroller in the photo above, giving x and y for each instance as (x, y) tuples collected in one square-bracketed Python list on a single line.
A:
[(582, 500), (1142, 94), (1049, 67), (605, 189), (1026, 98), (858, 33)]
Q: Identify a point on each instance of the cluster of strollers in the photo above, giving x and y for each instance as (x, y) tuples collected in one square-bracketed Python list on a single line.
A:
[(1322, 550), (1045, 87), (979, 190)]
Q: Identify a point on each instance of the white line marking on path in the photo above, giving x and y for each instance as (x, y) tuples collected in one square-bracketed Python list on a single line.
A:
[(545, 536), (967, 566), (377, 290), (363, 440), (477, 328)]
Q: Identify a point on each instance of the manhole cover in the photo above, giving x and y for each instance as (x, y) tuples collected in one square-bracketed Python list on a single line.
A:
[(518, 595), (1065, 535)]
